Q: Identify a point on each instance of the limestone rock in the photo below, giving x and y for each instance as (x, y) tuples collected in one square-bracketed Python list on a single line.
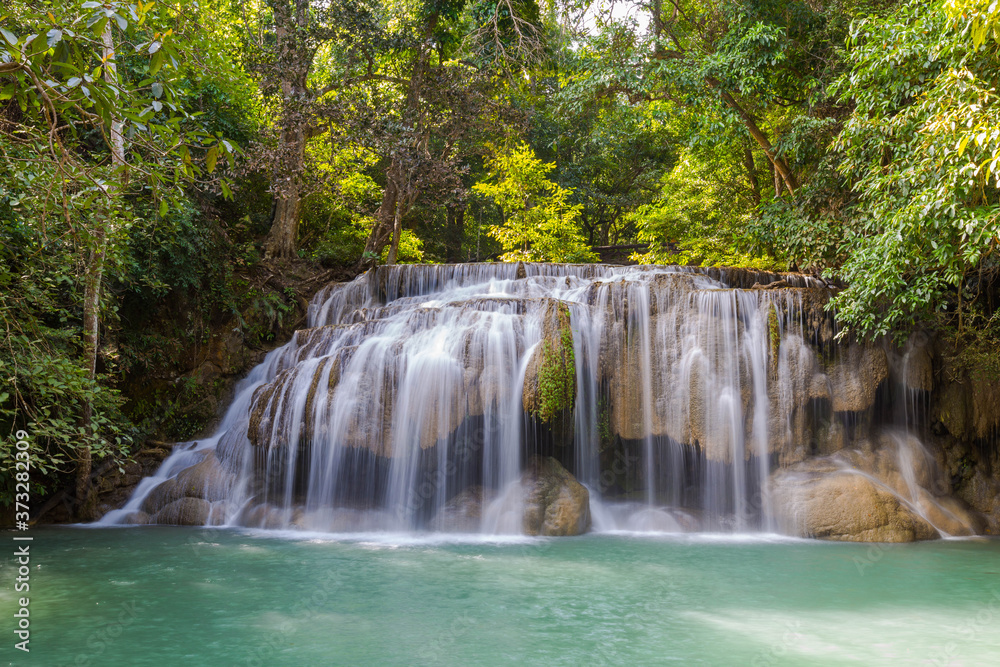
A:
[(550, 379), (855, 377), (951, 515), (815, 499), (969, 406), (982, 493), (185, 512), (915, 366), (554, 502), (162, 495), (461, 514), (206, 479)]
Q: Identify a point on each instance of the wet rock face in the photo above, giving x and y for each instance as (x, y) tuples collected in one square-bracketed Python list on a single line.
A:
[(855, 377), (185, 512), (891, 490), (968, 405), (461, 514), (829, 504), (983, 493), (116, 486), (206, 482), (550, 379), (554, 502)]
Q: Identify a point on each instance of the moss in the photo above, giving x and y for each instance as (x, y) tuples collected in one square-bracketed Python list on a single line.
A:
[(557, 373), (604, 424), (773, 328)]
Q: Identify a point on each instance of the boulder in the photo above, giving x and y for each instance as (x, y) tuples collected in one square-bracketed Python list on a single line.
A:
[(818, 499), (185, 512), (554, 502), (462, 514), (162, 495), (951, 515), (206, 479)]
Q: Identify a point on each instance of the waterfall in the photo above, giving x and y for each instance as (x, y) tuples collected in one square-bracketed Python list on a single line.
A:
[(419, 397)]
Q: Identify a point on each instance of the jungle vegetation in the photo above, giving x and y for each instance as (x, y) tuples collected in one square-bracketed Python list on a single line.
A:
[(157, 153)]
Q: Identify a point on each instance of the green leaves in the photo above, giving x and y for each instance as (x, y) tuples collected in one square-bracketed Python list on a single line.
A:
[(540, 223), (9, 37), (64, 200), (925, 99), (211, 157)]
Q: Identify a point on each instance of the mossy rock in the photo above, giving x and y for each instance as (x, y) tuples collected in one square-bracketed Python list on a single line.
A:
[(555, 503), (550, 380)]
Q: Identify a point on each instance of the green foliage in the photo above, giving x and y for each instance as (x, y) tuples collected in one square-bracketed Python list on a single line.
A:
[(540, 224), (699, 218), (79, 82), (921, 149)]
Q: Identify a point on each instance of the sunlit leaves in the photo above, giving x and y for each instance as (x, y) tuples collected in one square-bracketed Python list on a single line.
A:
[(922, 149), (540, 224)]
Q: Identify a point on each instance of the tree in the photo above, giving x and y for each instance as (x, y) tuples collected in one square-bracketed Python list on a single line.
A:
[(540, 224), (284, 46), (93, 128), (746, 64), (921, 149), (445, 101)]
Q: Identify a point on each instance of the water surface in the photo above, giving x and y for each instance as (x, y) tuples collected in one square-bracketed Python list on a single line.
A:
[(182, 596)]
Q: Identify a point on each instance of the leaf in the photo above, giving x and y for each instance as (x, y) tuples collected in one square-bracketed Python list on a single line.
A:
[(74, 82), (211, 157), (961, 145), (9, 36), (156, 62), (157, 105), (98, 22), (164, 208), (122, 23), (154, 47), (53, 37), (157, 90)]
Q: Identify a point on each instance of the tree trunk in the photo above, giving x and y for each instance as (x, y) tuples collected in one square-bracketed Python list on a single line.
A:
[(759, 136), (295, 60), (282, 240), (93, 276), (752, 175), (400, 189), (397, 232), (92, 279), (385, 219)]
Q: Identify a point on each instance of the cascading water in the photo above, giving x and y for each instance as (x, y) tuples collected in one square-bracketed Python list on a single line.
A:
[(425, 397)]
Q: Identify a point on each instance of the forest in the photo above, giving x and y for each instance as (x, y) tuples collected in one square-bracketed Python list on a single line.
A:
[(174, 171)]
